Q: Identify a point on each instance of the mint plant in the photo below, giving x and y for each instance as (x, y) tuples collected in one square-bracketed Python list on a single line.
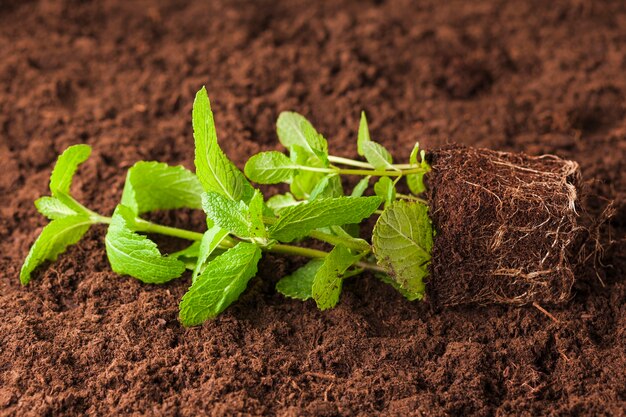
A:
[(242, 224)]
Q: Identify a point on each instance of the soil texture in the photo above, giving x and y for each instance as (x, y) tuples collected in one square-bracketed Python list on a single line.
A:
[(535, 77), (506, 227)]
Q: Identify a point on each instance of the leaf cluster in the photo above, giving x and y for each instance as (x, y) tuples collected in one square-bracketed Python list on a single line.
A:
[(242, 224)]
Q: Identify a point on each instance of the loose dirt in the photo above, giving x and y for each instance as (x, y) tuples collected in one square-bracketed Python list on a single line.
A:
[(538, 77)]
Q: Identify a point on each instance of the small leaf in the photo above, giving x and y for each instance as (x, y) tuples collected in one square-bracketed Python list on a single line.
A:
[(304, 182), (385, 189), (133, 254), (328, 280), (53, 208), (189, 255), (270, 168), (279, 202), (220, 284), (295, 129), (65, 168), (53, 241), (210, 241), (298, 221), (361, 186), (213, 168), (157, 186), (328, 187), (402, 242), (299, 284), (416, 181), (235, 216), (375, 153)]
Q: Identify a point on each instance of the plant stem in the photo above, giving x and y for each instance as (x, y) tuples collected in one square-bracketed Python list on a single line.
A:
[(364, 172), (412, 198), (350, 162), (356, 244), (229, 242), (360, 164), (149, 227), (338, 240)]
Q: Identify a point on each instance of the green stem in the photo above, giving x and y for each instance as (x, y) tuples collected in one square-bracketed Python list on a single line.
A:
[(338, 240), (360, 164), (228, 242), (296, 250), (350, 162), (332, 239), (365, 172)]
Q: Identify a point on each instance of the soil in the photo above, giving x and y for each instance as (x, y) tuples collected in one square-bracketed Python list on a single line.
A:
[(538, 77), (506, 227)]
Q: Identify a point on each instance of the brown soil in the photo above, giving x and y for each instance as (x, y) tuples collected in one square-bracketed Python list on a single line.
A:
[(506, 227), (539, 77)]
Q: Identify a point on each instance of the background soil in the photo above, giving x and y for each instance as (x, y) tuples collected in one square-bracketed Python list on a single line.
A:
[(529, 76)]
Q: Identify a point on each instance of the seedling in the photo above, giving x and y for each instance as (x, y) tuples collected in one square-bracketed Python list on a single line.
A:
[(242, 224)]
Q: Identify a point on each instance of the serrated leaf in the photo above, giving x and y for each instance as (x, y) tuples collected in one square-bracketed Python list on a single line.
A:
[(385, 189), (328, 280), (295, 129), (220, 284), (133, 254), (279, 202), (236, 216), (53, 208), (374, 153), (53, 240), (416, 181), (210, 241), (402, 242), (157, 186), (299, 284), (213, 168), (270, 168), (361, 186), (66, 166), (298, 221)]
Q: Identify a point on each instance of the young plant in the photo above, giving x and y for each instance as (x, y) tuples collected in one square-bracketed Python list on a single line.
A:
[(242, 224)]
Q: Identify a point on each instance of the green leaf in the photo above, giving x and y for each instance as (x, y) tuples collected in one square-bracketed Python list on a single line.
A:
[(210, 241), (221, 283), (158, 186), (65, 168), (295, 129), (53, 208), (375, 153), (406, 294), (189, 255), (299, 284), (329, 187), (361, 186), (213, 168), (270, 168), (385, 189), (133, 254), (235, 216), (402, 242), (279, 202), (298, 221), (416, 181), (55, 237), (328, 280), (304, 182)]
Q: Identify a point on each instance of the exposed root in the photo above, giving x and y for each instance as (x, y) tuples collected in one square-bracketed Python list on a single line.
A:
[(506, 224)]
